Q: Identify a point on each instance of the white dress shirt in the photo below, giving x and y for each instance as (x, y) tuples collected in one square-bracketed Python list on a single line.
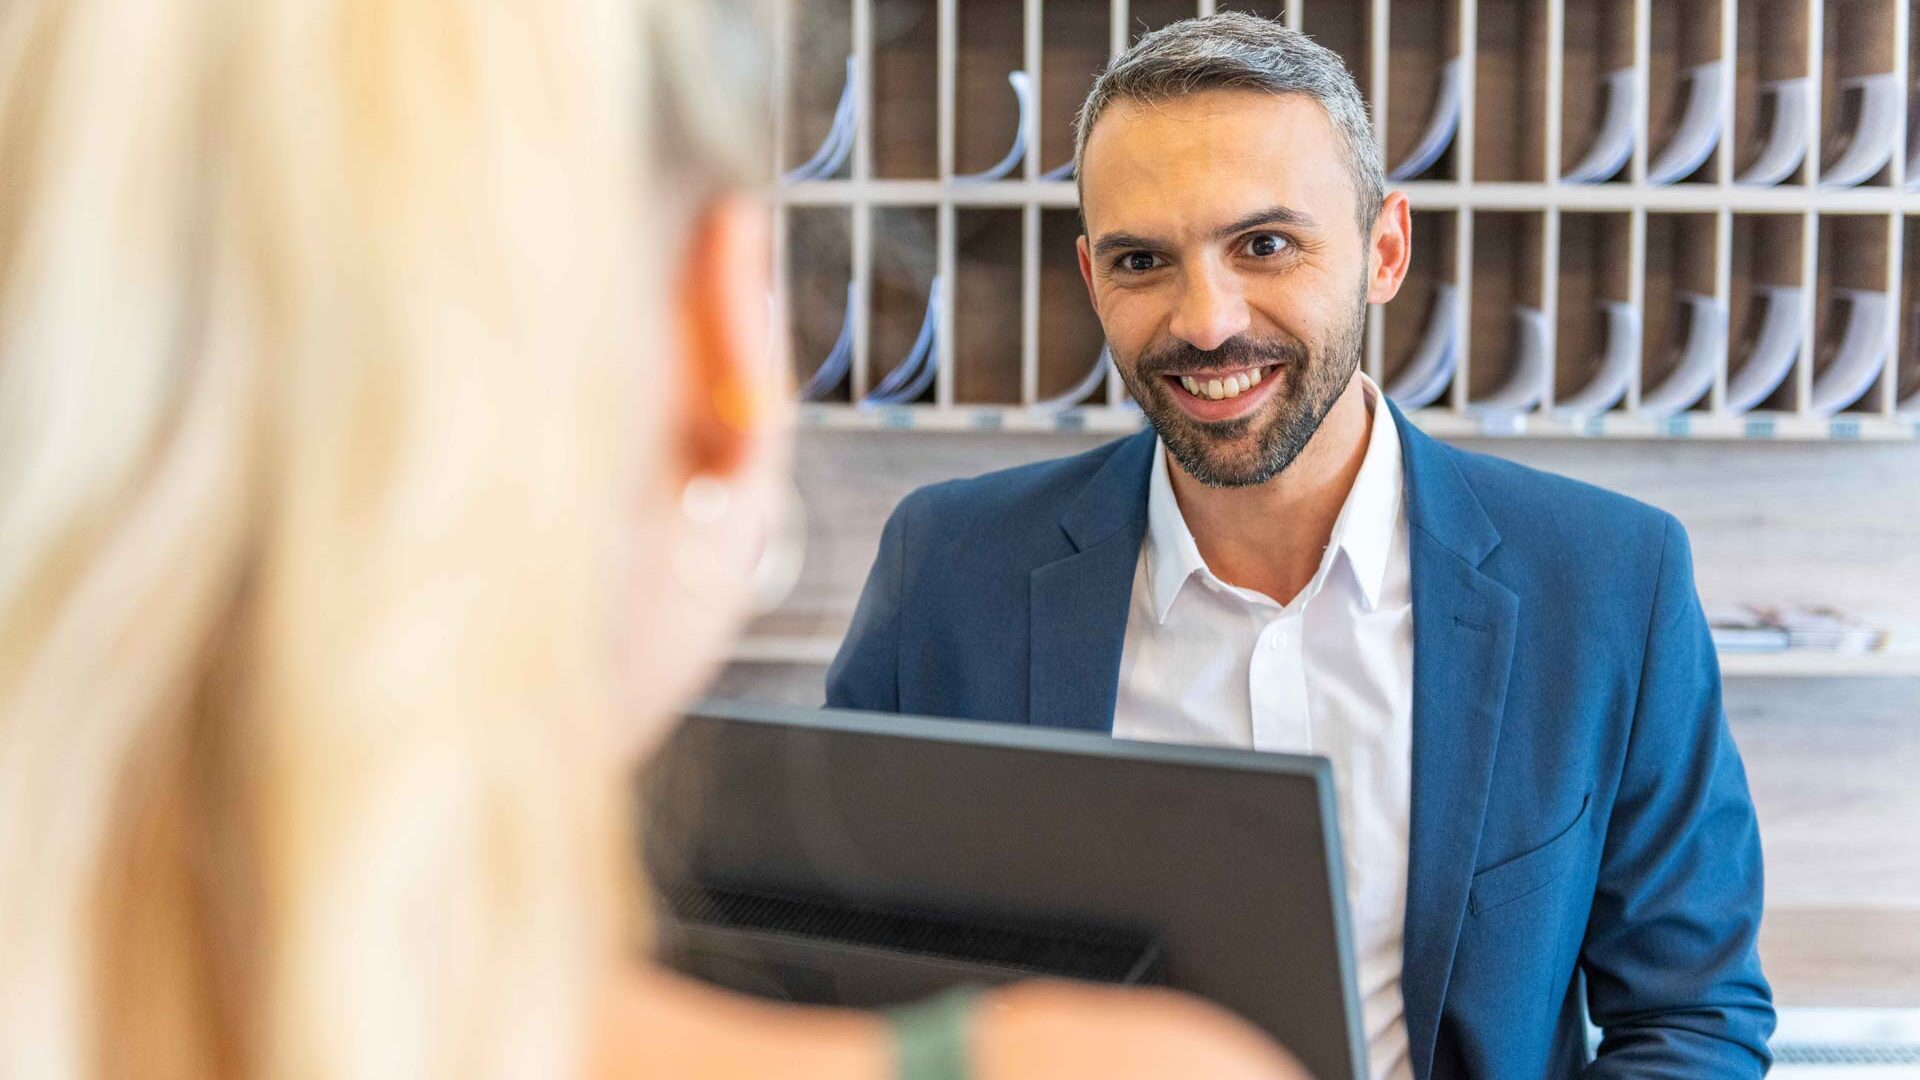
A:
[(1329, 673)]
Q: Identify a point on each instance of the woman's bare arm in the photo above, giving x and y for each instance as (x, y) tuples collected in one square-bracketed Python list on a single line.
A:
[(660, 1024)]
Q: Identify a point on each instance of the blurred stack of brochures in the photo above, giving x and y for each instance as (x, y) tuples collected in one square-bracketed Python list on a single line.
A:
[(1764, 628)]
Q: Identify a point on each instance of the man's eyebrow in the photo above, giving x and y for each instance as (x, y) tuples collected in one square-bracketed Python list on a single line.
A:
[(1272, 215), (1120, 240)]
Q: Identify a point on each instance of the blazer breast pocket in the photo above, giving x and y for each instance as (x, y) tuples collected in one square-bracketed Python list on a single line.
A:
[(1533, 871)]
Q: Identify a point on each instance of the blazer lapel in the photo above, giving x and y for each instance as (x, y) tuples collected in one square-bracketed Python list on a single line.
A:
[(1078, 605), (1463, 639)]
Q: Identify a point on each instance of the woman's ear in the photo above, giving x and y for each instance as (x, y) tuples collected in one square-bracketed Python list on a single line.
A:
[(735, 393)]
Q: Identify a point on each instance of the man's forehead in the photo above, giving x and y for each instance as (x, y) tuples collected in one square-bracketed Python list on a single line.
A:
[(1201, 160)]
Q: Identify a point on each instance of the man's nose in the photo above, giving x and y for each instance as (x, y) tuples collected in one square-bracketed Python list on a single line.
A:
[(1211, 308)]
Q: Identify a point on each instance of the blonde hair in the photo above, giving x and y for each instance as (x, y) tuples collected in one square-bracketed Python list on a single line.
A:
[(323, 331)]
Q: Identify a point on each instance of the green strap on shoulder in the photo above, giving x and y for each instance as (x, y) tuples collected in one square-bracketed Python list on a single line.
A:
[(931, 1037)]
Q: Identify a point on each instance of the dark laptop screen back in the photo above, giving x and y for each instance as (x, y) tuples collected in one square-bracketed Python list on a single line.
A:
[(865, 859)]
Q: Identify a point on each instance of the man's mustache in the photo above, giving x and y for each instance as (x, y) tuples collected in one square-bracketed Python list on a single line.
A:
[(1235, 352)]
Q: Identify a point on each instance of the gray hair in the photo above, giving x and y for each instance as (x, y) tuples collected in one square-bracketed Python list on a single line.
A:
[(1235, 50)]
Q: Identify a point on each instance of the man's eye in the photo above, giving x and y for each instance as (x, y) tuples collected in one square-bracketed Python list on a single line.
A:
[(1266, 244), (1137, 261)]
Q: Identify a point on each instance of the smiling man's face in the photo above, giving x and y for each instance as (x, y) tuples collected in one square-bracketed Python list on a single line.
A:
[(1225, 260)]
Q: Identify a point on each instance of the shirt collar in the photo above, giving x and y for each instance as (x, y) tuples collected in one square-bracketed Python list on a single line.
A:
[(1363, 531), (1172, 554), (1365, 528)]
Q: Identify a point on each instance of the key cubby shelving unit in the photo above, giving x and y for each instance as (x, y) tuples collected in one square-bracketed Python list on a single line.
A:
[(1632, 218)]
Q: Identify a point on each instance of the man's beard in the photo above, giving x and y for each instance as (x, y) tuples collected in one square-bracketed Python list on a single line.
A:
[(1314, 380)]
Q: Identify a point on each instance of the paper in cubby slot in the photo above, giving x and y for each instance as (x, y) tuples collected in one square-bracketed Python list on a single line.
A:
[(1692, 377), (1442, 123), (1428, 372), (1737, 630), (1698, 133), (1862, 352), (911, 377), (1775, 628), (1787, 133), (833, 370), (1776, 347), (1080, 391), (1876, 129), (1612, 146), (1609, 382), (1530, 368), (1913, 158), (838, 143), (1022, 84)]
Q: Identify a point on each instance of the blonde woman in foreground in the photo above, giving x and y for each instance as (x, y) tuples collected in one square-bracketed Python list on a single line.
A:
[(355, 358)]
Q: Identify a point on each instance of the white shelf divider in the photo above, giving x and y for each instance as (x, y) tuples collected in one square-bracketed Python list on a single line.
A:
[(861, 229), (1889, 388), (944, 231), (1377, 70), (1636, 295), (1550, 301), (1810, 235), (1902, 54), (1809, 305), (1034, 46), (1642, 88), (1729, 57), (1116, 44), (1722, 295)]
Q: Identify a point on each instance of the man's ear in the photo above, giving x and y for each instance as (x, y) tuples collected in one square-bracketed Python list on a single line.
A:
[(730, 397), (1390, 250)]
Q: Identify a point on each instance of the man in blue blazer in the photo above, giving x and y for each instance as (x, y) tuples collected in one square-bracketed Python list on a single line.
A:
[(1545, 818)]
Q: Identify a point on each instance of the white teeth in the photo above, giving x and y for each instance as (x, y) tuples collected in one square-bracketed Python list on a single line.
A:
[(1222, 388)]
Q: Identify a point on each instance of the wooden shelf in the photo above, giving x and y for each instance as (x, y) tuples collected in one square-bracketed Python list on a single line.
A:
[(1421, 194), (1442, 423), (1815, 664), (934, 103)]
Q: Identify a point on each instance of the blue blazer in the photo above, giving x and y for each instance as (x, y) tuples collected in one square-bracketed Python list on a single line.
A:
[(1582, 835)]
